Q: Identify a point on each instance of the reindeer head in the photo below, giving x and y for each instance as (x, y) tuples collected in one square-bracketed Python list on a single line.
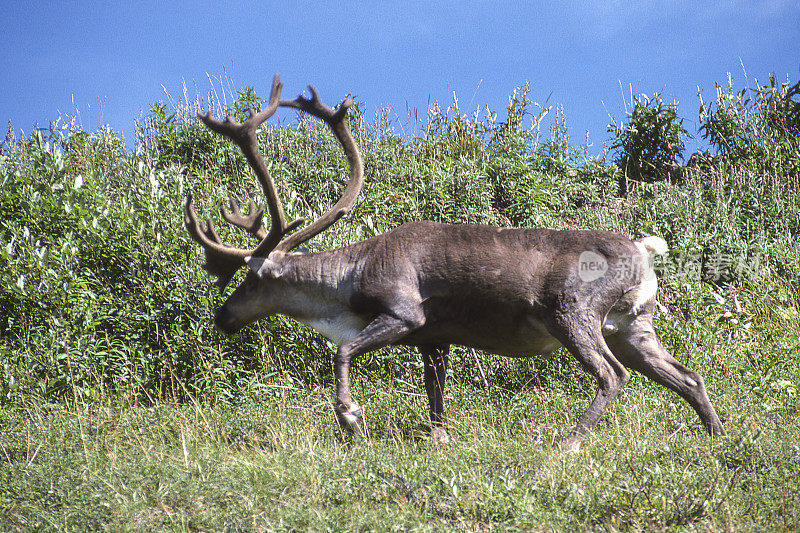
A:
[(223, 260)]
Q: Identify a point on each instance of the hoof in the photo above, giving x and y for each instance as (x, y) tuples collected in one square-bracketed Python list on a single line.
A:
[(569, 445), (439, 435), (350, 419)]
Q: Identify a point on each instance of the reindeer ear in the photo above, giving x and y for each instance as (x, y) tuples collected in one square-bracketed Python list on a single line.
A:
[(263, 267)]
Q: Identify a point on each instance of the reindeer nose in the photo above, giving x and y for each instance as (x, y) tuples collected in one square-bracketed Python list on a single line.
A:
[(225, 321)]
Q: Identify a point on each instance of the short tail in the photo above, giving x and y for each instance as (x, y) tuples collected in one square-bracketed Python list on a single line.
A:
[(654, 245)]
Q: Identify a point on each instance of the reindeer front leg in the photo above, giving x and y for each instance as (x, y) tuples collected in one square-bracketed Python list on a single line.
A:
[(385, 329)]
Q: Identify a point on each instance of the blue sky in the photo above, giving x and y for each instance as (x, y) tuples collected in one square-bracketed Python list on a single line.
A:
[(106, 62)]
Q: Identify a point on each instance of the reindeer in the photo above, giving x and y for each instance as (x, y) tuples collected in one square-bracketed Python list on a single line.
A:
[(514, 292)]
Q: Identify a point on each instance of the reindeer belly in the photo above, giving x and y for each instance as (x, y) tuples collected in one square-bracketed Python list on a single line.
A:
[(522, 338), (500, 332)]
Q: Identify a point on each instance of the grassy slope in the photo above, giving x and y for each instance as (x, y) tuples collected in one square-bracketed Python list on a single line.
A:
[(122, 408), (281, 464)]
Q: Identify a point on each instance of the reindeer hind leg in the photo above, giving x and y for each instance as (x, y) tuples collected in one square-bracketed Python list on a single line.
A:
[(639, 349), (583, 338)]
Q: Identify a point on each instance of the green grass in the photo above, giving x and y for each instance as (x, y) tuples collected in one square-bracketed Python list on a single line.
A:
[(280, 463)]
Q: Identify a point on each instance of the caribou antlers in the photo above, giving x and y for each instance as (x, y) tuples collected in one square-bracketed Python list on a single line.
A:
[(223, 260)]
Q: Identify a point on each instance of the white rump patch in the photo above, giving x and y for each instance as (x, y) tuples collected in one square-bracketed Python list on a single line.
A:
[(645, 292), (649, 246)]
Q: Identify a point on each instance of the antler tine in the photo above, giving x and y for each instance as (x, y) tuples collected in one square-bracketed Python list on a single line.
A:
[(244, 135), (315, 106), (337, 121), (239, 132), (205, 234), (251, 222), (221, 260)]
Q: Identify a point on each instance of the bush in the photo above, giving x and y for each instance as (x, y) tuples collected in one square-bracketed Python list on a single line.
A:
[(650, 145), (759, 125)]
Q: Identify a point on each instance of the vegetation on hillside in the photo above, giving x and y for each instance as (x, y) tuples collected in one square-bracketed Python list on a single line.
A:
[(105, 328)]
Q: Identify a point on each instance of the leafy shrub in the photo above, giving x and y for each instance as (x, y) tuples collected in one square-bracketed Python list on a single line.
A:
[(651, 143), (760, 125), (739, 121)]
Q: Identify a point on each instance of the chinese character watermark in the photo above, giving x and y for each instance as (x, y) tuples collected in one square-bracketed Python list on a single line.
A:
[(714, 267)]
